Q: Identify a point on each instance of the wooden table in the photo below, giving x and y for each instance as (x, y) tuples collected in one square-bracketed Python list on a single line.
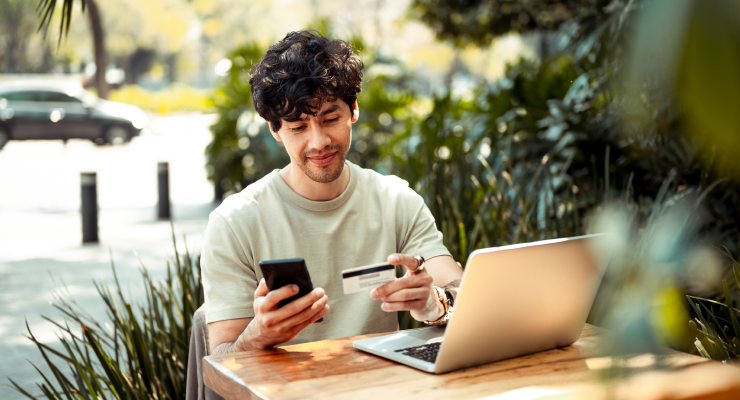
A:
[(333, 369)]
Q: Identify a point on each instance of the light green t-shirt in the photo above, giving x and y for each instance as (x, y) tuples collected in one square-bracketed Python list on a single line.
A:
[(374, 217)]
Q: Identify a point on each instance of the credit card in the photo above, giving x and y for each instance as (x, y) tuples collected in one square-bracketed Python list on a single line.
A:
[(368, 277)]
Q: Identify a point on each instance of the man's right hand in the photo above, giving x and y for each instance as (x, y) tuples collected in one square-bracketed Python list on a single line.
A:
[(272, 325)]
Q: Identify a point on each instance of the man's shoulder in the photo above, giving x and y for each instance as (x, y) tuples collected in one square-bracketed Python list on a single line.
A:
[(390, 184), (388, 191), (248, 202)]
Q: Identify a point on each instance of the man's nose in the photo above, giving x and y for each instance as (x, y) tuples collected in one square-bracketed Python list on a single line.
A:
[(319, 139)]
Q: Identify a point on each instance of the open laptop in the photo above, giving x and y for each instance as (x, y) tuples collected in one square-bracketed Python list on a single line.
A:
[(513, 300)]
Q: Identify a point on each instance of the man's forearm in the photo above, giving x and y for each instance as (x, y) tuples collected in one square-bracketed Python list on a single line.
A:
[(231, 347), (242, 343)]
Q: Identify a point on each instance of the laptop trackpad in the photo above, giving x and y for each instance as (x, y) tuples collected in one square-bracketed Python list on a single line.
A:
[(406, 339)]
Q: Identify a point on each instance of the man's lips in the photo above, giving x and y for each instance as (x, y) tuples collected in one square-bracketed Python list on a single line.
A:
[(323, 159)]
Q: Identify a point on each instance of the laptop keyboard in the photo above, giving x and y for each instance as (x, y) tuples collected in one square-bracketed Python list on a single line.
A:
[(426, 352)]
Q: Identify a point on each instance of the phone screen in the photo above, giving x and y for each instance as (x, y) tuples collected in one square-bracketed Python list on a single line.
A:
[(279, 273)]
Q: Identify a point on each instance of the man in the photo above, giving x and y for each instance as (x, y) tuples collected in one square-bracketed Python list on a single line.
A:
[(322, 208)]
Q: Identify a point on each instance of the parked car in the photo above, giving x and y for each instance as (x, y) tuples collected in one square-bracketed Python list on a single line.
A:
[(54, 110)]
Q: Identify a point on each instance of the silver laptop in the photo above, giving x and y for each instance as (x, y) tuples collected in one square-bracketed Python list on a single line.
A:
[(513, 300)]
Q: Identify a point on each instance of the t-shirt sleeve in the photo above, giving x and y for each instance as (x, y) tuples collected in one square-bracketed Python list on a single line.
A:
[(421, 237), (229, 281)]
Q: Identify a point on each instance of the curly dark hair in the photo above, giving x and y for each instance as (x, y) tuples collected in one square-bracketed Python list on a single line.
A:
[(302, 71)]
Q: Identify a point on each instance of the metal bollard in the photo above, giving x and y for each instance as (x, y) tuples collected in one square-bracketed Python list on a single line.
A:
[(89, 191), (163, 178)]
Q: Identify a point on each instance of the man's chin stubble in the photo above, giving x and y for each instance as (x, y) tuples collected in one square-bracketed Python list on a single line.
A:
[(323, 176)]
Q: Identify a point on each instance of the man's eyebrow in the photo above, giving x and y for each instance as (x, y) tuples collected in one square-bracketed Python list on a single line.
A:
[(329, 110)]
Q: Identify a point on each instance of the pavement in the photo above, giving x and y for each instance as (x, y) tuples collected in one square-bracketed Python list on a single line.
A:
[(41, 246)]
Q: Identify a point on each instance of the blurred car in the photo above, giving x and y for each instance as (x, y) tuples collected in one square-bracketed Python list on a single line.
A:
[(41, 110)]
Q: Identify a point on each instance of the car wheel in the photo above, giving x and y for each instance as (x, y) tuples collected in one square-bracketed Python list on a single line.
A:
[(4, 136), (116, 135)]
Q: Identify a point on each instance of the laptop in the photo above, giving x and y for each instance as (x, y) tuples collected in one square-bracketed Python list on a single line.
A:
[(513, 300)]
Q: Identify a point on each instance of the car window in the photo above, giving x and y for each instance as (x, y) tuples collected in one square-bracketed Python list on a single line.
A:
[(88, 98), (22, 96), (60, 97)]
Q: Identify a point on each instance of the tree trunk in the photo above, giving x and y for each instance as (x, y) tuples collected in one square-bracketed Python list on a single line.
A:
[(12, 56), (101, 59), (13, 42), (172, 68)]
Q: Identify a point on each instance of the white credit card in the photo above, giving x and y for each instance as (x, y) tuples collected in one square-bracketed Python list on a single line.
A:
[(368, 277)]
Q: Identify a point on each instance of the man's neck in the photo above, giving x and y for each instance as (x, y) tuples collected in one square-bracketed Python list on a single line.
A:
[(312, 190)]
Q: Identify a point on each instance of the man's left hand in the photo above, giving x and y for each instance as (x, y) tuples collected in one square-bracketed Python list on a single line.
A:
[(412, 292)]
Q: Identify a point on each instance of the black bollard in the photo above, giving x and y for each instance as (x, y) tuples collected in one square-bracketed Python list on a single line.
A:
[(163, 175), (89, 190)]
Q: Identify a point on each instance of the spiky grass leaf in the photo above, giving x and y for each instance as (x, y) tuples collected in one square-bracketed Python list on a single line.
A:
[(21, 390)]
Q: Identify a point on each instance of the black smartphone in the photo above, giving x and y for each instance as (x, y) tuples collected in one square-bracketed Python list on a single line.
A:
[(279, 273)]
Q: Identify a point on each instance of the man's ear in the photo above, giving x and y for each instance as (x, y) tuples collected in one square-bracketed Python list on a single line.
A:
[(274, 134), (355, 112)]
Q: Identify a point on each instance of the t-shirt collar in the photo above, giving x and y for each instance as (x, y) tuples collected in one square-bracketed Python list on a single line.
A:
[(312, 205)]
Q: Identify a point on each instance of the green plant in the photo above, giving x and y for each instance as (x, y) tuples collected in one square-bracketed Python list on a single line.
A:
[(716, 323), (480, 21), (143, 355)]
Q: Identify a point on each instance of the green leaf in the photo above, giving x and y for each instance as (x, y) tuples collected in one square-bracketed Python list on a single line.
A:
[(730, 309), (60, 379), (20, 389)]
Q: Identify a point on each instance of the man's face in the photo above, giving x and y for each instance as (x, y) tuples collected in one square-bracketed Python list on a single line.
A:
[(319, 144)]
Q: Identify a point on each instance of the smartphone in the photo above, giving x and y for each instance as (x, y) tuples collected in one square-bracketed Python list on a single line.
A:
[(279, 273)]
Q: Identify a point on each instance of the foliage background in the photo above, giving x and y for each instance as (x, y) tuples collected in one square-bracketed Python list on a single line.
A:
[(532, 155)]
